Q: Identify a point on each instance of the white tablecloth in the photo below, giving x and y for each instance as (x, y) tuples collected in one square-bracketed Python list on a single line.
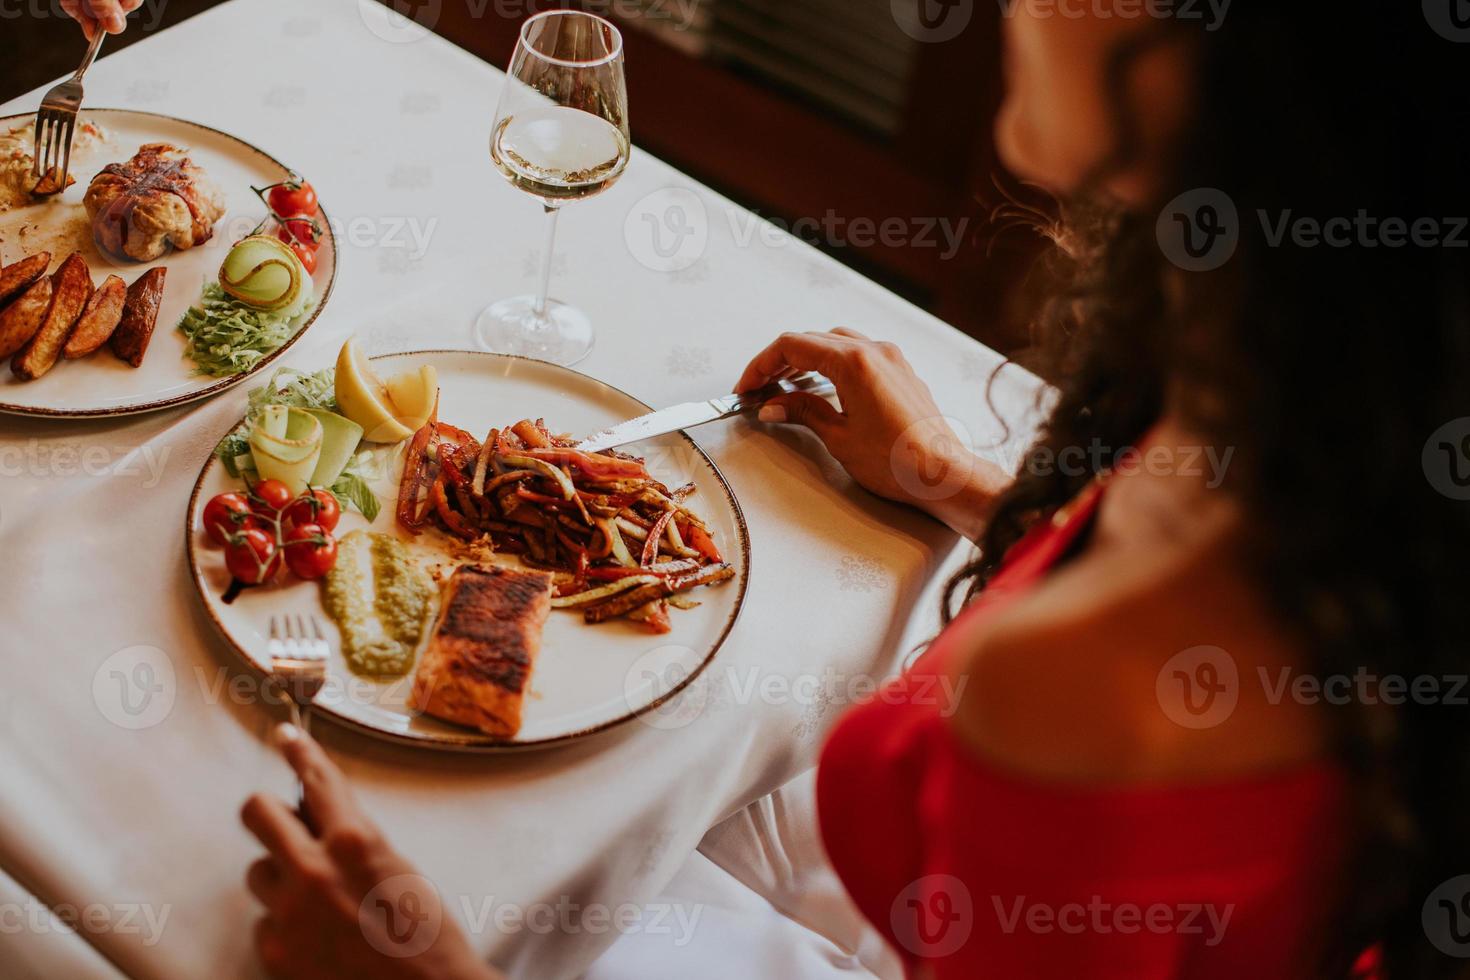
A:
[(391, 126)]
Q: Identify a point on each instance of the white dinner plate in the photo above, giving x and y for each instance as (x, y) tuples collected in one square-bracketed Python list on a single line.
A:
[(101, 384), (587, 678)]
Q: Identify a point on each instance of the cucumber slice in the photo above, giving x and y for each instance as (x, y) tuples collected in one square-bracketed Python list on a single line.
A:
[(340, 437)]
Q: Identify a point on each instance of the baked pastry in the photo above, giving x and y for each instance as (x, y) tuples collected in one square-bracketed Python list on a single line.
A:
[(477, 665), (159, 198)]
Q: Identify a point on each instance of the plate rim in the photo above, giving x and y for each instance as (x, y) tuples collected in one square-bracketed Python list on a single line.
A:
[(221, 384), (481, 743)]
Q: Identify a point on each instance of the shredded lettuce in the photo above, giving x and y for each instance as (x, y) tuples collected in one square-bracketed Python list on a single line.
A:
[(227, 337)]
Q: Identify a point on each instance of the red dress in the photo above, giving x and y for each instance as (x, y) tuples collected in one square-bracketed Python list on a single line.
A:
[(974, 872)]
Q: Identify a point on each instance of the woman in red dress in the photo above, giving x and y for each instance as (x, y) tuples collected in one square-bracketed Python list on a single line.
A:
[(1207, 656)]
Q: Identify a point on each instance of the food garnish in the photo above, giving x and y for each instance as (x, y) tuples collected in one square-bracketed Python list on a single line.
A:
[(225, 336), (313, 393), (618, 541), (264, 274), (286, 444), (380, 599), (388, 411), (477, 666), (265, 527), (158, 199), (310, 551)]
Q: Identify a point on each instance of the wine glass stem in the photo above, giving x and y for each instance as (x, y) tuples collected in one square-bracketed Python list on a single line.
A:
[(541, 295)]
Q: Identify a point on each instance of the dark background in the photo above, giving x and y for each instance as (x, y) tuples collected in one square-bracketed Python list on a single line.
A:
[(825, 108)]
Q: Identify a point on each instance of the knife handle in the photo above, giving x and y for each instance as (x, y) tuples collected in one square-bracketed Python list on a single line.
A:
[(811, 383)]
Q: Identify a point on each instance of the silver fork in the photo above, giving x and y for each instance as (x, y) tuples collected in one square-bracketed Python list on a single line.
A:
[(57, 118), (298, 668)]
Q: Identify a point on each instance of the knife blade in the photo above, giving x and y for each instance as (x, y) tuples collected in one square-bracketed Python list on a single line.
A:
[(691, 414)]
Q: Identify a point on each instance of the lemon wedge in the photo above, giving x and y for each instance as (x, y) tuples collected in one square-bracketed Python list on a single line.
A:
[(388, 411)]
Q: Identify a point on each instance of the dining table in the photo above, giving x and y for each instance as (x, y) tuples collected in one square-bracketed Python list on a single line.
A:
[(121, 848)]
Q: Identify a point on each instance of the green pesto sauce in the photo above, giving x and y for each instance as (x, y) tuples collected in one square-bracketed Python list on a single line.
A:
[(380, 599)]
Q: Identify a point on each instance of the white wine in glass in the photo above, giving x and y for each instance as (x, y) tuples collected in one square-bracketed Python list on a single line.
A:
[(560, 134)]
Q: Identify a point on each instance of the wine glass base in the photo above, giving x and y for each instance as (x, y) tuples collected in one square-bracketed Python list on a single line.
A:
[(562, 335)]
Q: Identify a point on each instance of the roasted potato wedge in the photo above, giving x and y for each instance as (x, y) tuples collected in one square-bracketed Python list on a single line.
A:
[(71, 287), (17, 277), (140, 315), (20, 320), (99, 318)]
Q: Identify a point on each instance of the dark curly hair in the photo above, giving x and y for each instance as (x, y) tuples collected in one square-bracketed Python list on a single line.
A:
[(1328, 369)]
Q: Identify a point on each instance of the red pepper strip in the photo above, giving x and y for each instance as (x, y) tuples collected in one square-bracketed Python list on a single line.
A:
[(452, 520), (414, 468), (618, 500), (456, 435), (452, 464), (697, 538), (650, 545), (593, 465), (537, 498)]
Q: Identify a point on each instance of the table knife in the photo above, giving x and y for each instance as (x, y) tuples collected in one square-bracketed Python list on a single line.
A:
[(690, 414)]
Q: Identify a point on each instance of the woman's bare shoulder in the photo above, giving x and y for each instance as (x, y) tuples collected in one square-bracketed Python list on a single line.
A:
[(1132, 666)]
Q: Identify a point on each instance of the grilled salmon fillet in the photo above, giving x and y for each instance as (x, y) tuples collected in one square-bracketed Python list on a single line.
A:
[(477, 665)]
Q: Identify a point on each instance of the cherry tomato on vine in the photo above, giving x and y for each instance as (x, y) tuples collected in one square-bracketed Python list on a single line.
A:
[(227, 513), (252, 556), (299, 228), (311, 551), (293, 197), (317, 506), (306, 255), (269, 497)]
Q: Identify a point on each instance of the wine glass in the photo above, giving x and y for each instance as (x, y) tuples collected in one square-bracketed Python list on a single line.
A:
[(560, 134)]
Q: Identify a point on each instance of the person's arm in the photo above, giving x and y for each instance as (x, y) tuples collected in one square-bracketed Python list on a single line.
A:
[(109, 15), (889, 436), (339, 901)]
